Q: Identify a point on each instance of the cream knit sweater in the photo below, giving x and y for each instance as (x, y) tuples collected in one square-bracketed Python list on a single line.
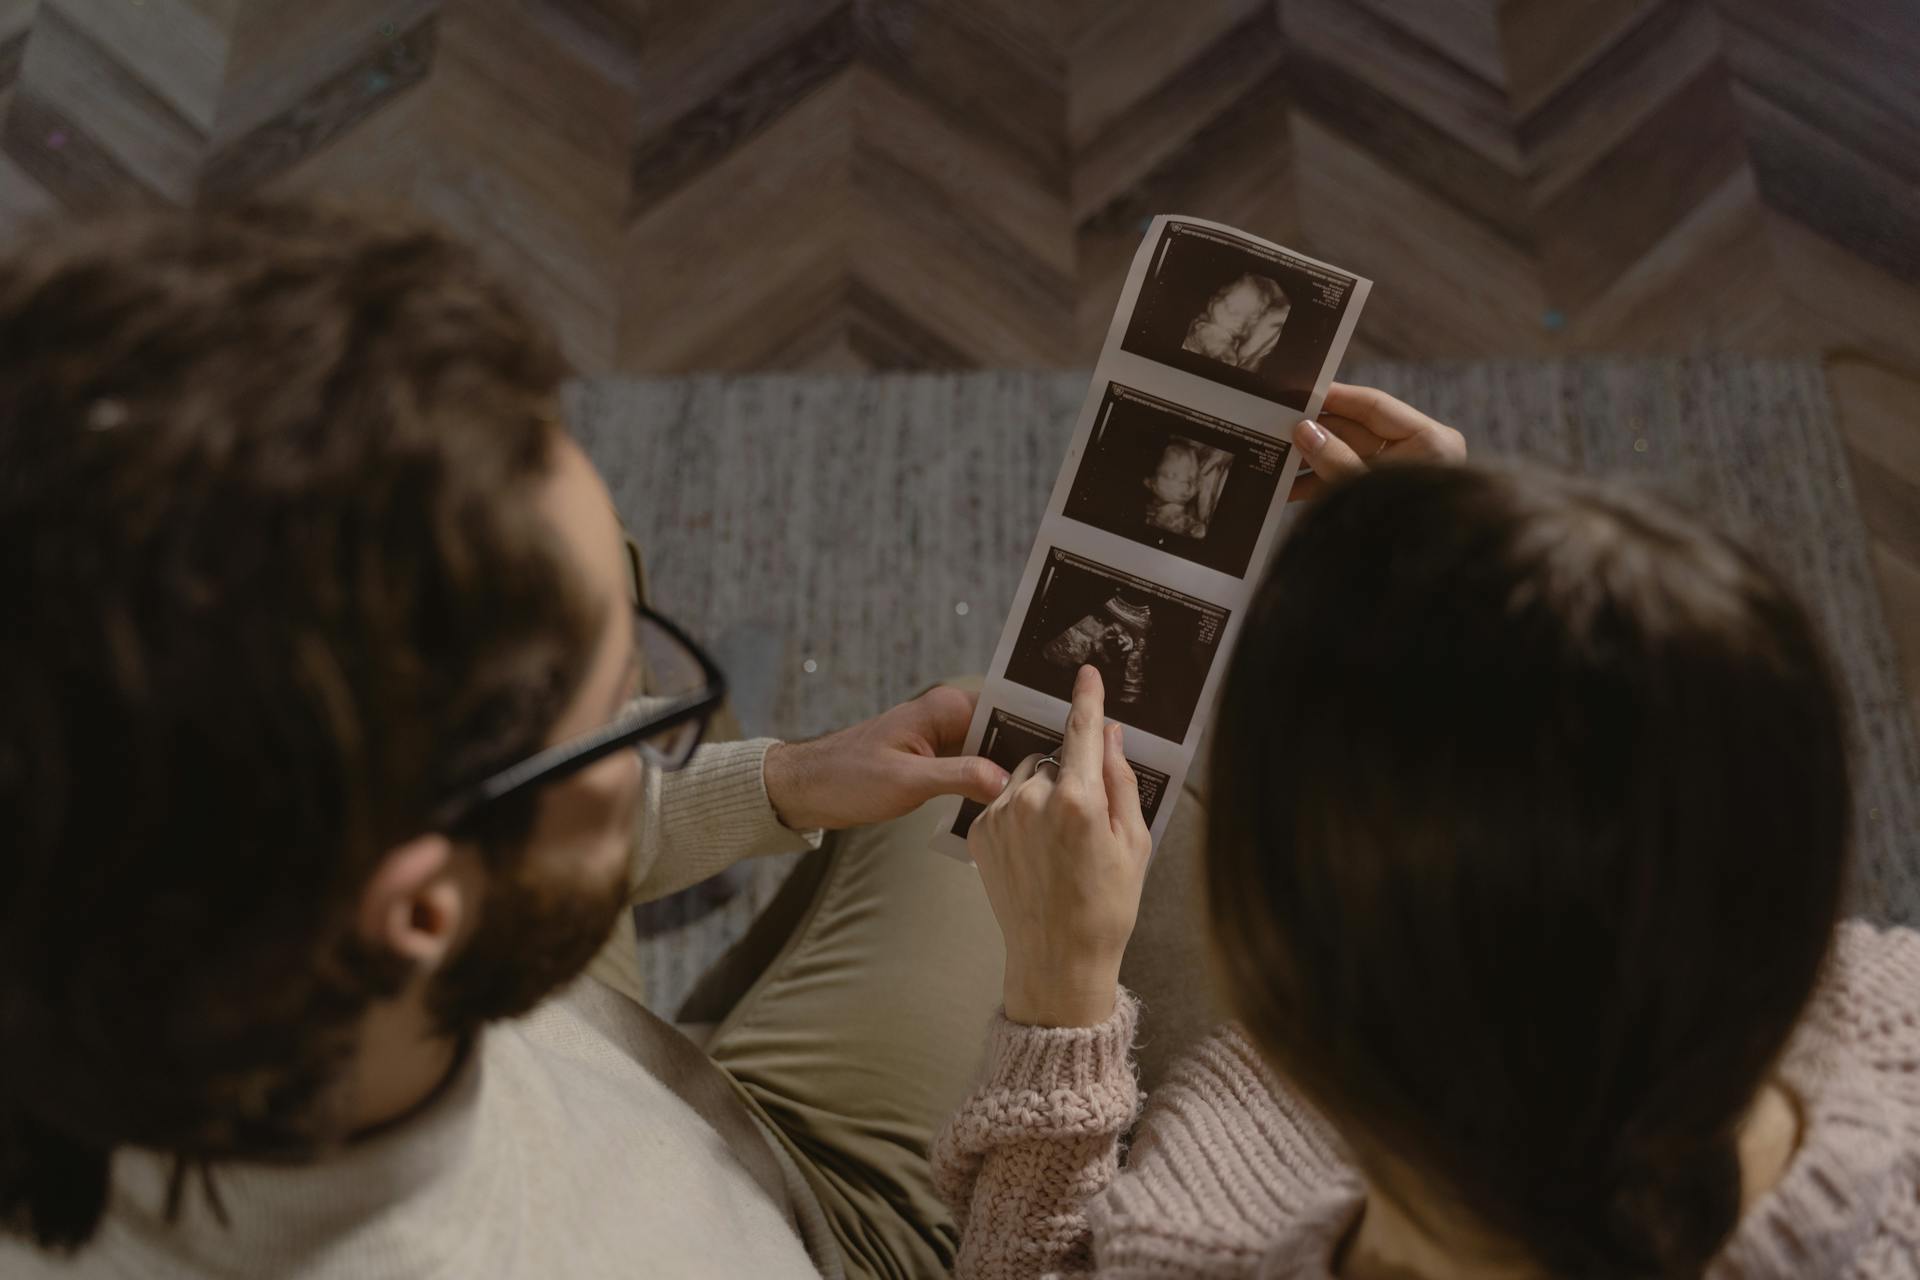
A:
[(1231, 1175), (551, 1153)]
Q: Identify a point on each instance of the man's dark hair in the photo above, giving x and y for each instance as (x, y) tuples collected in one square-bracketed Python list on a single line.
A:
[(275, 588), (1529, 818)]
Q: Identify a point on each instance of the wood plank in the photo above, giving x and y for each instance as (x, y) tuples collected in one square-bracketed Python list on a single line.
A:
[(834, 355), (1848, 303), (17, 15), (676, 56), (1468, 108), (327, 110), (1863, 47), (817, 340), (1889, 503), (536, 190), (956, 236), (1817, 179), (1448, 285), (1593, 230), (1710, 284), (760, 94), (13, 50), (1466, 31), (1599, 110), (1238, 169), (1546, 43), (536, 186), (1413, 148), (706, 283), (986, 74), (382, 159), (1117, 65), (118, 133), (1057, 25), (24, 203), (223, 14), (63, 161), (175, 50), (283, 49), (1158, 127), (1882, 127), (883, 334), (1013, 151), (542, 87), (1879, 412), (953, 240), (974, 181)]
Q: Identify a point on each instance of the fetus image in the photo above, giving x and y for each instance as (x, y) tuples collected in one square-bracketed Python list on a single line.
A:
[(1114, 640), (1242, 322), (1184, 489)]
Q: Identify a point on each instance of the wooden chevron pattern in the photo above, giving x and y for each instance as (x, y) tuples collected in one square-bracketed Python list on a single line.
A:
[(844, 184)]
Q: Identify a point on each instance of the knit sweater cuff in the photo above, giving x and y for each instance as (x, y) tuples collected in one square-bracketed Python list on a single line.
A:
[(1078, 1078), (713, 813)]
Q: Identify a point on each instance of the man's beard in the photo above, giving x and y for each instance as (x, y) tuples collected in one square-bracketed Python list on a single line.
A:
[(535, 935)]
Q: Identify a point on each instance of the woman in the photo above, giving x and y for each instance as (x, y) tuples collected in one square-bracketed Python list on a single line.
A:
[(1529, 811)]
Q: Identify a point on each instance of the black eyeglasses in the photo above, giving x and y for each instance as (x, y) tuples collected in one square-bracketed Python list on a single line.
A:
[(680, 689)]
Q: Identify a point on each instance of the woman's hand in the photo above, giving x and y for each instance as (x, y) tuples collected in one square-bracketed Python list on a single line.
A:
[(1360, 426), (1063, 854)]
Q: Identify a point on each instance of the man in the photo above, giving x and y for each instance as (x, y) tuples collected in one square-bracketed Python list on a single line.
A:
[(334, 732)]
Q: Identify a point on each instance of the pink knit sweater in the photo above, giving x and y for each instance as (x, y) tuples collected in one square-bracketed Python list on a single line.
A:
[(1230, 1174)]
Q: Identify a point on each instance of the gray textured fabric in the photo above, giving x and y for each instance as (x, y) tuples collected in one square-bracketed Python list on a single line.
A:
[(847, 521)]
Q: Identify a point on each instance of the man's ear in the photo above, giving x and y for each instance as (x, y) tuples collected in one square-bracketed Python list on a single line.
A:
[(415, 903)]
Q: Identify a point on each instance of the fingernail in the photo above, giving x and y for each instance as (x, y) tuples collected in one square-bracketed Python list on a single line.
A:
[(1316, 435)]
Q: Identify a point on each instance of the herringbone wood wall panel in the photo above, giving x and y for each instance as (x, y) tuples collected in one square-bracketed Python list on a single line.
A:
[(755, 184)]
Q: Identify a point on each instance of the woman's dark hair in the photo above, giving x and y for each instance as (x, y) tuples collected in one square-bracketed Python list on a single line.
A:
[(275, 588), (1529, 815)]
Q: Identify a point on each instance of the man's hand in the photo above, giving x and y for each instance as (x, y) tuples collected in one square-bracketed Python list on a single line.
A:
[(1360, 427), (1063, 856), (881, 768)]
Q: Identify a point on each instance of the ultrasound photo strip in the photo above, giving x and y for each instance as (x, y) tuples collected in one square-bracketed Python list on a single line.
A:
[(1177, 480), (1238, 311), (1010, 739), (1154, 646), (1171, 496)]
